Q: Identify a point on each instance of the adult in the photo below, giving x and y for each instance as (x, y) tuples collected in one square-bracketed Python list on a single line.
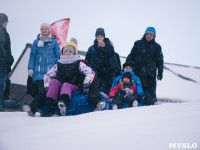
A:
[(147, 58), (6, 58), (100, 57), (45, 53)]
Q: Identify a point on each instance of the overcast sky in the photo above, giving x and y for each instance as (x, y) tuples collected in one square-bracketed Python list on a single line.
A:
[(177, 23)]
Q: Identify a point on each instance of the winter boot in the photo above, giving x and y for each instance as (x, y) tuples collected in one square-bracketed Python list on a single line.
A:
[(100, 105), (63, 102), (114, 107), (135, 103), (31, 112), (51, 105)]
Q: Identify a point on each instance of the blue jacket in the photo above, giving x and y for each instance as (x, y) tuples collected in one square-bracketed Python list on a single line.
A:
[(43, 58), (136, 81)]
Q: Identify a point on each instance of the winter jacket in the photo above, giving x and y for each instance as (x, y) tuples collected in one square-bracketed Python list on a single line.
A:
[(101, 59), (129, 91), (42, 59), (146, 57), (6, 58), (134, 78), (77, 73)]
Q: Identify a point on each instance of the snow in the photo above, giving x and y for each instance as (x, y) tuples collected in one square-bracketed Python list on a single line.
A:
[(141, 128)]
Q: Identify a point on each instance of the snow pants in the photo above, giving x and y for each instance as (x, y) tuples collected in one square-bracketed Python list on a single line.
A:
[(119, 100), (57, 89)]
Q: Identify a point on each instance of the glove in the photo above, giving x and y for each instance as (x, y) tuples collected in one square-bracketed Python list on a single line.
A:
[(122, 92), (141, 99), (86, 88), (159, 76), (30, 72)]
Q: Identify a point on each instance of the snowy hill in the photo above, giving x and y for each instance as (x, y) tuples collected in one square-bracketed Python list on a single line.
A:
[(173, 122)]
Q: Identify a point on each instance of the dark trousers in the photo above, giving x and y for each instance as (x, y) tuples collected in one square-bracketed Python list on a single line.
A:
[(94, 93), (105, 84), (119, 100), (149, 88)]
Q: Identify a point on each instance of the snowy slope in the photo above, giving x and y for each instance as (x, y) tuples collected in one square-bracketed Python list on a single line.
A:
[(142, 128)]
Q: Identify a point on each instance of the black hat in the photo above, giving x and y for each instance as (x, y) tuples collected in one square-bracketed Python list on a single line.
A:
[(127, 64), (100, 31), (3, 18)]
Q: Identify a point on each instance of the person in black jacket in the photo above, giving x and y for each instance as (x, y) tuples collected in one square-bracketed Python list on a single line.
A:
[(101, 58), (147, 58), (6, 58)]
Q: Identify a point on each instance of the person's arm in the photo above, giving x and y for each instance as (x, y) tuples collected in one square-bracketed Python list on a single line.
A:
[(32, 56), (88, 72), (131, 57), (56, 50), (138, 85), (114, 90), (51, 74), (159, 61)]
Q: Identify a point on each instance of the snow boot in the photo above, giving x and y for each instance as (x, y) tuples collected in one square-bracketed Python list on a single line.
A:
[(51, 105), (63, 102), (100, 105), (135, 103), (114, 107)]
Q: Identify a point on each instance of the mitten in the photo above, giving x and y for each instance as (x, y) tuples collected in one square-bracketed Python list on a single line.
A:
[(159, 76), (86, 89), (30, 72), (122, 92)]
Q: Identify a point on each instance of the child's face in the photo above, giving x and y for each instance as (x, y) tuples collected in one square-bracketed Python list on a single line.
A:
[(126, 80), (68, 53), (128, 68)]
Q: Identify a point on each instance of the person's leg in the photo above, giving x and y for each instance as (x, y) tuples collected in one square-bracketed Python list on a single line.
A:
[(131, 100), (119, 101), (65, 95), (3, 76), (54, 89), (95, 96)]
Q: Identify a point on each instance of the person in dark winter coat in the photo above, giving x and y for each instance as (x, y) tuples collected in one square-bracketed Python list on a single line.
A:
[(125, 91), (6, 58), (101, 58), (45, 53), (71, 74), (147, 58)]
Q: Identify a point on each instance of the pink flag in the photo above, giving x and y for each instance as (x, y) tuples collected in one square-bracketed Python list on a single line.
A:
[(60, 30)]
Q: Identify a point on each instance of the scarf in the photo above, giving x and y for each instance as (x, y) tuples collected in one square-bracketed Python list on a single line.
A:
[(69, 59), (43, 39)]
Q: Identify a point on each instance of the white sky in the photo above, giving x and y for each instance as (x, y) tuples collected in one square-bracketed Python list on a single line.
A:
[(176, 22)]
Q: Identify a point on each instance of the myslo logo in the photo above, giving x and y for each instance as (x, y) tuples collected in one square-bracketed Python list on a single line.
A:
[(183, 145)]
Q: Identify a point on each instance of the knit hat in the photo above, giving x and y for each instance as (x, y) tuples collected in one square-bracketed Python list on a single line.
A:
[(71, 46), (46, 25), (151, 30), (127, 64), (100, 31), (127, 74), (3, 18)]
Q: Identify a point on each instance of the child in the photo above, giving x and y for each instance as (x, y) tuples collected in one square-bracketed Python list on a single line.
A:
[(72, 74), (128, 66), (125, 91)]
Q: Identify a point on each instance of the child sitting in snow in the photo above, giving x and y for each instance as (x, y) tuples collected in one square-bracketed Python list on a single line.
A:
[(72, 74), (139, 90), (125, 91)]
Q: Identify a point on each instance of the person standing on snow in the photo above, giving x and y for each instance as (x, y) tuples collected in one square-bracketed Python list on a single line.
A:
[(147, 58), (100, 58), (6, 58), (45, 53)]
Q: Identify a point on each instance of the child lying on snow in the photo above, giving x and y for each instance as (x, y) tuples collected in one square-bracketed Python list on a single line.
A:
[(125, 91), (70, 74)]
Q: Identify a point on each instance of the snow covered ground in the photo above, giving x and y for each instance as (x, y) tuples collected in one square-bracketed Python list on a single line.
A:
[(161, 127)]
